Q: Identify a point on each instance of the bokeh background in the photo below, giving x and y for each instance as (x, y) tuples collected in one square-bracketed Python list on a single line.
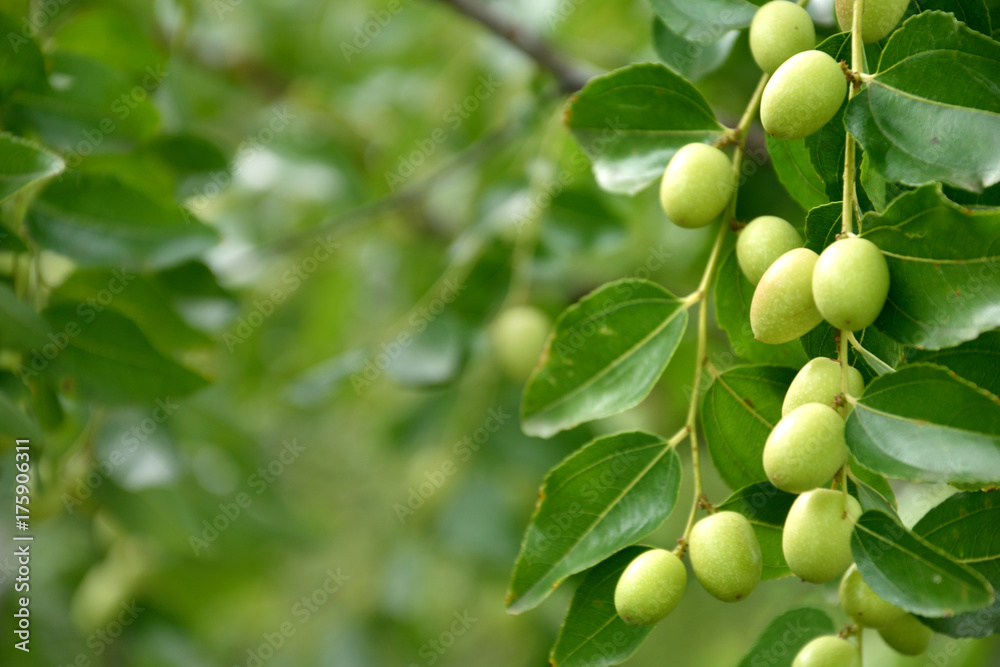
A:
[(352, 488)]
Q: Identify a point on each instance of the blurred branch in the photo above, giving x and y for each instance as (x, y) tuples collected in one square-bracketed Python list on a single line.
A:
[(570, 78)]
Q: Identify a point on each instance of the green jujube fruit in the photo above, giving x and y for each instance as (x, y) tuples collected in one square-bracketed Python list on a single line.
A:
[(802, 95), (517, 338), (806, 448), (819, 382), (764, 240), (725, 555), (650, 587), (697, 185), (878, 19), (816, 539), (782, 308), (907, 636), (779, 30), (850, 283), (828, 651), (863, 605)]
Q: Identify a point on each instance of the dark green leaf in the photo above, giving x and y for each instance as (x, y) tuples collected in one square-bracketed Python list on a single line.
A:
[(691, 58), (977, 361), (593, 635), (21, 62), (823, 225), (23, 163), (705, 18), (972, 13), (739, 409), (871, 489), (822, 342), (795, 171), (766, 507), (631, 121), (785, 636), (23, 328), (614, 491), (606, 354), (925, 424)]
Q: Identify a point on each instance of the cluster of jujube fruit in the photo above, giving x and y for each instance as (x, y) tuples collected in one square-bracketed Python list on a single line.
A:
[(795, 289)]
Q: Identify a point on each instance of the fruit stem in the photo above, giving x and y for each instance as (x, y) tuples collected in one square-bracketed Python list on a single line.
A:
[(858, 67)]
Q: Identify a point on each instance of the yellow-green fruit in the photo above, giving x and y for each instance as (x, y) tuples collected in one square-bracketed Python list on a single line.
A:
[(725, 555), (802, 95), (878, 20), (782, 308), (907, 636), (828, 651), (819, 382), (697, 185), (805, 448), (517, 337), (863, 605), (764, 240), (779, 30), (650, 587), (850, 283), (816, 539)]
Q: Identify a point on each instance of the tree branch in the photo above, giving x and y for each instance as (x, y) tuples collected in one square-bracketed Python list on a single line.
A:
[(570, 78)]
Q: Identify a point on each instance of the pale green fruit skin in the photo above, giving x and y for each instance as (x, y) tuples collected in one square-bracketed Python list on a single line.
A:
[(779, 30), (819, 382), (878, 20), (517, 338), (863, 605), (697, 185), (907, 636), (802, 95), (782, 308), (816, 539), (650, 587), (725, 556), (764, 240), (851, 283), (806, 448), (828, 651)]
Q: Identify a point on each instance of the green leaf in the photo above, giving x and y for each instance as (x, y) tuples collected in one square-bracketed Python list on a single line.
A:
[(785, 636), (972, 13), (21, 62), (111, 360), (111, 36), (978, 361), (692, 58), (766, 507), (932, 112), (694, 20), (631, 121), (882, 354), (940, 294), (15, 424), (612, 492), (925, 424), (593, 635), (911, 573), (99, 221), (23, 328), (607, 352), (795, 171), (23, 163), (739, 409), (733, 294), (823, 225), (871, 489)]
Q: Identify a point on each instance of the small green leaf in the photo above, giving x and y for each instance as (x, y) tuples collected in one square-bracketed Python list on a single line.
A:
[(795, 171), (912, 574), (766, 507), (978, 361), (823, 225), (606, 354), (692, 58), (871, 489), (739, 409), (23, 163), (631, 121), (925, 424), (822, 342), (612, 492), (785, 636), (695, 20), (593, 635)]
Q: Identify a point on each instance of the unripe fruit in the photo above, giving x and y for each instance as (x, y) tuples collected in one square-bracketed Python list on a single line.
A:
[(764, 240), (878, 19), (802, 95), (697, 185), (780, 30), (650, 587), (907, 636), (517, 337), (828, 651), (863, 605), (725, 555), (816, 540), (850, 283), (782, 308), (819, 382), (805, 448)]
